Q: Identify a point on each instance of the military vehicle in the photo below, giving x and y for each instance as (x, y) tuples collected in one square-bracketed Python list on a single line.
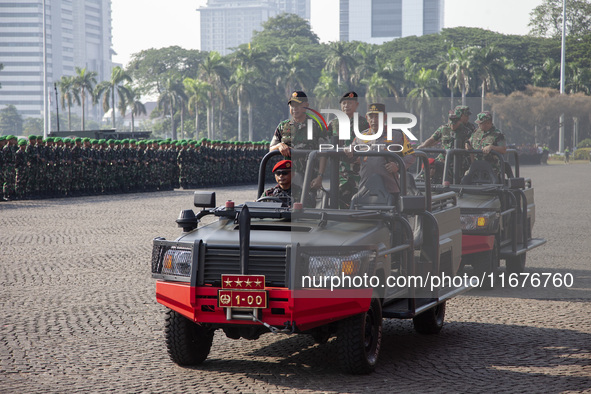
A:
[(497, 211), (269, 266)]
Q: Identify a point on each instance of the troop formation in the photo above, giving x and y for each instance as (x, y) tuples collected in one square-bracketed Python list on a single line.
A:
[(57, 167)]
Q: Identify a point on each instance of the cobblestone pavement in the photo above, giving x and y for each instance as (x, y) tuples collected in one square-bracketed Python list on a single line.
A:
[(78, 311)]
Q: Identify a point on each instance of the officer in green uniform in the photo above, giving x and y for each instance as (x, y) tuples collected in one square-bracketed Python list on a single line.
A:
[(348, 172), (465, 118), (293, 134), (488, 138)]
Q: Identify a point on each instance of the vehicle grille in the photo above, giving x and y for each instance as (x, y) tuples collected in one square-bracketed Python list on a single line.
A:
[(269, 262)]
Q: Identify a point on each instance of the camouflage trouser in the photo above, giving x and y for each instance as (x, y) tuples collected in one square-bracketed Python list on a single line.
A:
[(67, 179), (9, 179), (21, 179)]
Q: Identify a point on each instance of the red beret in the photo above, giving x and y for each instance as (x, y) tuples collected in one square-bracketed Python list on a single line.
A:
[(282, 165)]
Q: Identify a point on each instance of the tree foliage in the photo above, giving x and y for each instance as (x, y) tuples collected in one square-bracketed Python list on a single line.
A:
[(11, 122), (546, 19)]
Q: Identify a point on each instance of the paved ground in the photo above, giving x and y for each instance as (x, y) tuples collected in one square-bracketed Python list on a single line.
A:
[(78, 312)]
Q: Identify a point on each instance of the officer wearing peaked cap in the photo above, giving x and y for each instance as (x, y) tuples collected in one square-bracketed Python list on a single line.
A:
[(293, 134)]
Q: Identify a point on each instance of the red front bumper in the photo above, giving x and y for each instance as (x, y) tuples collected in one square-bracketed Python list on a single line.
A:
[(304, 309), (477, 243)]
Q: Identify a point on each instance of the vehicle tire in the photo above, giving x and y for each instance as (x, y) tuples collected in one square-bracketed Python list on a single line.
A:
[(359, 339), (487, 264), (188, 343), (515, 264), (430, 321)]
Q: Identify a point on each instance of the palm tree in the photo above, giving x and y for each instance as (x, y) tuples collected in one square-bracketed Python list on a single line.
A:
[(214, 72), (490, 66), (291, 70), (133, 103), (84, 82), (579, 81), (171, 98), (340, 60), (325, 89), (107, 90), (447, 67), (426, 87), (460, 69), (548, 75), (375, 87), (69, 95), (197, 92), (243, 82), (365, 60)]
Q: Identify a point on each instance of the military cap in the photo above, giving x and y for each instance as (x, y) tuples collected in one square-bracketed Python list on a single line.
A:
[(376, 108), (78, 139), (142, 142), (125, 141), (57, 139), (349, 96), (464, 109), (282, 165), (32, 137), (483, 117), (192, 142), (183, 144), (102, 141), (110, 141), (10, 137), (162, 143), (68, 140), (86, 139), (2, 138), (454, 115), (132, 141), (39, 138), (22, 141), (49, 139), (299, 97)]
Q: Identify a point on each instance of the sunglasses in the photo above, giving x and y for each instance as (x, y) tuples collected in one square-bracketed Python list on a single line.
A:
[(282, 172)]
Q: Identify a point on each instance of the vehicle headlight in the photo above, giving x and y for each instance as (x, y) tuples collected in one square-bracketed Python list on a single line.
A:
[(335, 265), (177, 262), (479, 221)]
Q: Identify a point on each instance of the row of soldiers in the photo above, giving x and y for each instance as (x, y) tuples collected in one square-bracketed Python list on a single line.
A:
[(57, 167)]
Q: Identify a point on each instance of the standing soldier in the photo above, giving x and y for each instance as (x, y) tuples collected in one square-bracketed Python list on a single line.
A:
[(21, 165), (2, 164), (77, 166), (293, 134), (465, 118), (33, 156), (348, 172), (9, 151), (488, 138)]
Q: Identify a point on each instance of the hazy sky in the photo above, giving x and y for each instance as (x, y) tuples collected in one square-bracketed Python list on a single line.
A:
[(141, 24)]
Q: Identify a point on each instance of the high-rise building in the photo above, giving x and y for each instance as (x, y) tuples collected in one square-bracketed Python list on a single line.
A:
[(225, 24), (78, 34), (378, 21)]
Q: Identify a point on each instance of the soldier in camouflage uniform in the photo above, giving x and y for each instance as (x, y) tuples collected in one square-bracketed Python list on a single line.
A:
[(2, 164), (488, 138), (9, 170), (293, 134), (451, 135), (465, 118), (348, 172), (21, 165)]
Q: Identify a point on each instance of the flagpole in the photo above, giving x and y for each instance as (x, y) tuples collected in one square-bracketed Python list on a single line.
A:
[(45, 90)]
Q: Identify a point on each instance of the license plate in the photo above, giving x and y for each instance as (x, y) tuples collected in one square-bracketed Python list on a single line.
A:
[(242, 298)]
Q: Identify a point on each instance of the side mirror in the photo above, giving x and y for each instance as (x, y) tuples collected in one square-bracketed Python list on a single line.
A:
[(204, 199), (413, 204)]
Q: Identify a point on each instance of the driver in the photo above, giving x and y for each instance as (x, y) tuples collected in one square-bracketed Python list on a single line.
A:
[(284, 188)]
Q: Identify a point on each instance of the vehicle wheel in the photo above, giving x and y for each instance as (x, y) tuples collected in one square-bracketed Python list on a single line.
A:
[(430, 321), (188, 343), (487, 264), (515, 264), (359, 339)]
